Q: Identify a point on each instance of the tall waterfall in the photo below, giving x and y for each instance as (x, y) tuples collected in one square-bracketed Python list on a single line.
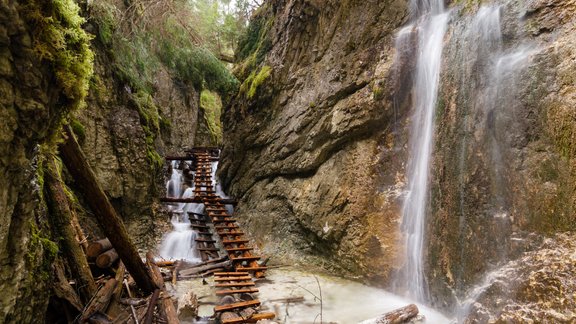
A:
[(431, 24)]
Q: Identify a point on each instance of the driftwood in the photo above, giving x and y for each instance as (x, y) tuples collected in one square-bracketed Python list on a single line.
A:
[(105, 214), (61, 221), (100, 301), (132, 310), (197, 270), (82, 240), (98, 247), (165, 304), (107, 259), (397, 316)]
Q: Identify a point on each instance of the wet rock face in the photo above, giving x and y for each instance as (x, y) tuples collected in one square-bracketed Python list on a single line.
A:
[(537, 287), (115, 143), (317, 156), (302, 155), (30, 111), (503, 165)]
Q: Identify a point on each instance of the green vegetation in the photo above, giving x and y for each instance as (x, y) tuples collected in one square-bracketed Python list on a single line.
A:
[(254, 80), (41, 253), (254, 43), (78, 129), (212, 106), (61, 41)]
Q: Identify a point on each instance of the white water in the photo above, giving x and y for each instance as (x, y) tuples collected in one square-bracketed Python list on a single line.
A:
[(343, 301), (180, 244), (174, 185), (431, 28)]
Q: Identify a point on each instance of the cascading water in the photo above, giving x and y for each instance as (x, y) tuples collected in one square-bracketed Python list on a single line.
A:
[(180, 244), (431, 25)]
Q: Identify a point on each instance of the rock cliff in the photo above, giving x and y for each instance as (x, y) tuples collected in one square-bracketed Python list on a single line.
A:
[(315, 142)]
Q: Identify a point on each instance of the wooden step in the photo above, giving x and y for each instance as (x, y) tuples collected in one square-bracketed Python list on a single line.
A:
[(230, 220), (208, 249), (236, 284), (244, 304), (245, 258), (239, 249), (252, 319), (233, 278), (236, 291), (204, 233), (216, 209), (212, 215), (221, 233), (231, 274), (198, 226), (219, 227), (239, 268), (235, 241), (205, 240)]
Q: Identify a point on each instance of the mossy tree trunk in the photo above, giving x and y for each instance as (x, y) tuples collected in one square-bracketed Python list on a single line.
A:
[(105, 214), (61, 220)]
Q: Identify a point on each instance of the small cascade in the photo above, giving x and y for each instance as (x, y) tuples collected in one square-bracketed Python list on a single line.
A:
[(174, 185), (430, 26), (180, 244)]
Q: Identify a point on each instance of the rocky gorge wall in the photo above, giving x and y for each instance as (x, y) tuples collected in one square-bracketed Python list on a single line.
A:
[(315, 143), (43, 76)]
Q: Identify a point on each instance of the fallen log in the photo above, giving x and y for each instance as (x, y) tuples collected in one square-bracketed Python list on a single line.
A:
[(100, 301), (62, 287), (165, 304), (185, 265), (114, 309), (105, 214), (107, 259), (197, 270), (61, 222), (98, 247), (397, 316), (150, 311)]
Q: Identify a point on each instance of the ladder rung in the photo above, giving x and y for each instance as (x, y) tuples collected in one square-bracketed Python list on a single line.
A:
[(208, 249), (245, 304), (233, 278), (245, 258), (234, 241), (237, 291), (236, 284), (239, 249), (231, 273), (205, 240), (239, 268), (252, 319)]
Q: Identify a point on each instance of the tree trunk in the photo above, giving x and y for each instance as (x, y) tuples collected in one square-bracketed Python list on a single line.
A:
[(104, 212), (61, 220), (193, 271), (397, 316), (165, 304)]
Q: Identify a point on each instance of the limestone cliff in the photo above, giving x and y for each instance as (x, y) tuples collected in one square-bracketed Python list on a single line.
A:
[(316, 141), (45, 65), (305, 137)]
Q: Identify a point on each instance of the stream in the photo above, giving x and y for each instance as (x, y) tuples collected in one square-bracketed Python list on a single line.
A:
[(296, 296)]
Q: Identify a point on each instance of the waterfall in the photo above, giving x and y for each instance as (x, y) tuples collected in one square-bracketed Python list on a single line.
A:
[(180, 244), (431, 26), (174, 185)]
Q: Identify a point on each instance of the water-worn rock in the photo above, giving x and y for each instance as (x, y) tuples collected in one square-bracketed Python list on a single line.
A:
[(316, 151), (303, 156), (32, 104)]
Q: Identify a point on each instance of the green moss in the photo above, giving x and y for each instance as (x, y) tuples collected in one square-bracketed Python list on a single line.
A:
[(211, 104), (41, 253), (105, 16), (60, 40), (78, 129), (377, 91), (258, 80), (254, 43)]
